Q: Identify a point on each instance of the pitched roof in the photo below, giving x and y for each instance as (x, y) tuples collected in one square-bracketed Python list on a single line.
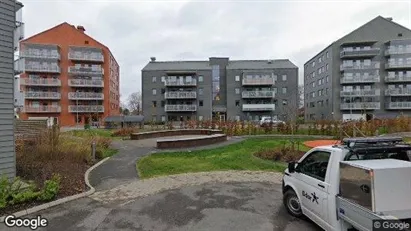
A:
[(261, 64)]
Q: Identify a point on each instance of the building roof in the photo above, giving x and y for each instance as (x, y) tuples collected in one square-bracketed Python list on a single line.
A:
[(205, 65)]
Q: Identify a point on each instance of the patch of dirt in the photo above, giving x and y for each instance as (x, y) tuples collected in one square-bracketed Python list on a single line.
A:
[(316, 143)]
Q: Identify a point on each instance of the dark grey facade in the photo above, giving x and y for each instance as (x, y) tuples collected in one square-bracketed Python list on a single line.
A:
[(220, 89), (11, 30), (365, 74)]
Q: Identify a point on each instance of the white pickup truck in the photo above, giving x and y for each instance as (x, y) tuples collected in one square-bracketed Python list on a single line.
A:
[(350, 186)]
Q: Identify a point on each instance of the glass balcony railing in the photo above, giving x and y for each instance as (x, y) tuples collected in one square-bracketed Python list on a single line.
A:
[(398, 92), (396, 51), (86, 108), (360, 79), (86, 54), (181, 95), (397, 65), (87, 71), (42, 109), (40, 54), (360, 106), (373, 65), (362, 92), (258, 94), (360, 53), (40, 82), (258, 81), (399, 105), (180, 83), (258, 107), (397, 78), (85, 96), (180, 108), (86, 83), (42, 95)]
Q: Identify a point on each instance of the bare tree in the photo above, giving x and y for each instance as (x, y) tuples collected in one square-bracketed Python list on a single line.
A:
[(134, 103)]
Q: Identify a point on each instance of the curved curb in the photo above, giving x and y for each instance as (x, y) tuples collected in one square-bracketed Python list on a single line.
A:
[(61, 200)]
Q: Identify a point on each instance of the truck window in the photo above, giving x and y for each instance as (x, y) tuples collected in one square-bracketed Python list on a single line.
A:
[(399, 155), (315, 165)]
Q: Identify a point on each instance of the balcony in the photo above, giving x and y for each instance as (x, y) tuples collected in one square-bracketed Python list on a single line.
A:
[(85, 83), (180, 108), (396, 51), (41, 82), (257, 81), (359, 93), (40, 51), (180, 83), (92, 54), (346, 67), (181, 95), (258, 107), (22, 65), (360, 79), (258, 94), (87, 71), (42, 109), (398, 92), (359, 53), (398, 65), (399, 105), (86, 108), (85, 96), (397, 78), (18, 34), (42, 95), (360, 106)]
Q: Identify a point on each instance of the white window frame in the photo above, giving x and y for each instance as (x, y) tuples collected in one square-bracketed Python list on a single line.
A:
[(154, 91), (237, 78)]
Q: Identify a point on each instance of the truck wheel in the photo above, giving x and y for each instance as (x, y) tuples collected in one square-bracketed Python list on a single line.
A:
[(292, 203)]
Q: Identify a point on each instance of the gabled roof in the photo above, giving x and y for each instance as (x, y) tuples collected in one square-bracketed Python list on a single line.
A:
[(261, 64)]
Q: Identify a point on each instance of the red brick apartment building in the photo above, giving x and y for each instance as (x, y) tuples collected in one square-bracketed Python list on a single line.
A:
[(69, 76)]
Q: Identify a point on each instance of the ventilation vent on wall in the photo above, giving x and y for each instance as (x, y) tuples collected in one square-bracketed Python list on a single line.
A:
[(270, 61)]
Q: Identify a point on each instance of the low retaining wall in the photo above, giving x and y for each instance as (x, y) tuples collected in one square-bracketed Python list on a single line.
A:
[(178, 132), (191, 142)]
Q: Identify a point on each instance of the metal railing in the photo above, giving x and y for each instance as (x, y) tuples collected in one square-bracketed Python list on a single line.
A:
[(394, 51), (42, 109), (397, 78), (38, 68), (85, 96), (85, 70), (397, 65), (258, 81), (360, 79), (399, 105), (362, 92), (40, 82), (373, 65), (86, 56), (360, 53), (169, 82), (258, 94), (181, 95), (86, 108), (398, 92), (86, 83), (36, 54), (42, 95), (180, 107), (258, 107), (360, 106)]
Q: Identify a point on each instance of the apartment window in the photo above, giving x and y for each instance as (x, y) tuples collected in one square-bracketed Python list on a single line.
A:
[(163, 118), (284, 90), (326, 91), (200, 91), (163, 91), (319, 81), (313, 94), (275, 77), (200, 118), (313, 64), (154, 104), (319, 70), (313, 74), (326, 67), (319, 59), (326, 102), (327, 55), (284, 102), (154, 91), (313, 84), (237, 78), (200, 78), (154, 79), (163, 79), (284, 77), (200, 103), (237, 118), (237, 91), (163, 103), (237, 103), (327, 78)]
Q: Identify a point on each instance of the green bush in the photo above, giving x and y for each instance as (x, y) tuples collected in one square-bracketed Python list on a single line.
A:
[(50, 189)]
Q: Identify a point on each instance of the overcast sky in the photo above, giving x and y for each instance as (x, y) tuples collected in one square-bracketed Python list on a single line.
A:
[(185, 30)]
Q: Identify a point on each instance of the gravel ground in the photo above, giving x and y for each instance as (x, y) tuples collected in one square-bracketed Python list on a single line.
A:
[(152, 186)]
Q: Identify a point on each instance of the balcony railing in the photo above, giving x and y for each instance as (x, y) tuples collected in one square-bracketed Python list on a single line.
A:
[(37, 54), (181, 95), (89, 71), (360, 79), (258, 94), (42, 109), (85, 96), (397, 65), (42, 95), (258, 107), (40, 82), (398, 92), (180, 108), (86, 56), (374, 65), (18, 33), (362, 92), (399, 105), (180, 83), (360, 53), (86, 108), (398, 78), (258, 81), (394, 51), (86, 83), (360, 106)]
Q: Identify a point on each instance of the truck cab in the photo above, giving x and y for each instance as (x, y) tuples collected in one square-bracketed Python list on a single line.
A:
[(311, 186)]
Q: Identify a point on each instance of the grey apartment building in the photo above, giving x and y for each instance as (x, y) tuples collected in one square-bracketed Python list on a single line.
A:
[(220, 89), (11, 31), (365, 74)]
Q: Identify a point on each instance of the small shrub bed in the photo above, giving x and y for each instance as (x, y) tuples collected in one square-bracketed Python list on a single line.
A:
[(124, 132), (284, 153)]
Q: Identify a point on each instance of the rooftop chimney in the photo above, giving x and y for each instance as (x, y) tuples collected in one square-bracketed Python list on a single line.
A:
[(153, 59), (81, 28), (389, 19)]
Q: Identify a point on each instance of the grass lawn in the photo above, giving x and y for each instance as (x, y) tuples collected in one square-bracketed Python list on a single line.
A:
[(237, 156)]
